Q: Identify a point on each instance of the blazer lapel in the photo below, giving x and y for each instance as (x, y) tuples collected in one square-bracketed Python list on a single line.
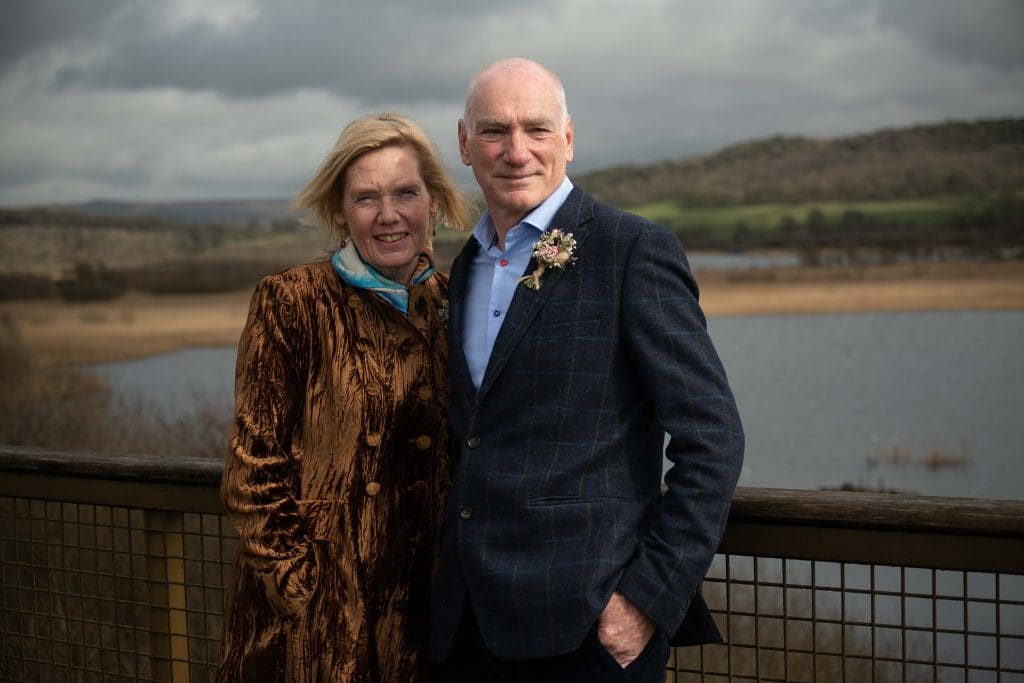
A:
[(458, 368), (577, 210)]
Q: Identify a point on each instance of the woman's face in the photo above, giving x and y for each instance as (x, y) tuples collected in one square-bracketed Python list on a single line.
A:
[(387, 209)]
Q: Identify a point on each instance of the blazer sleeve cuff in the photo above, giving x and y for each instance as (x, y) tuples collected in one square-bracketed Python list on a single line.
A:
[(664, 607)]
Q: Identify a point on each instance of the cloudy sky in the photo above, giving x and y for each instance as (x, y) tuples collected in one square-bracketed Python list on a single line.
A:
[(191, 99)]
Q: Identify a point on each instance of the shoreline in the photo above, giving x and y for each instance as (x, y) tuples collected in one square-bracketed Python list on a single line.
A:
[(139, 325)]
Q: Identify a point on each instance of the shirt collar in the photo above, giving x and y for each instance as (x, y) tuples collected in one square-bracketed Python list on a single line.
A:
[(540, 218)]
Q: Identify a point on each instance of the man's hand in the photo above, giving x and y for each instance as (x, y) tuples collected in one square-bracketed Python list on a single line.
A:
[(623, 629)]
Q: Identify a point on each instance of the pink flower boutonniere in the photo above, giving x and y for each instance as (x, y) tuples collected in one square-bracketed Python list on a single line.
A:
[(553, 250)]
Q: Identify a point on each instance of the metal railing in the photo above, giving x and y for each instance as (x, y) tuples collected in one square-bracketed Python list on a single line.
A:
[(114, 568)]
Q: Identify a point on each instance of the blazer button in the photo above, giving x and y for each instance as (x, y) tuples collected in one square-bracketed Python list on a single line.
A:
[(473, 441), (372, 489), (425, 393), (423, 442), (372, 439), (466, 512)]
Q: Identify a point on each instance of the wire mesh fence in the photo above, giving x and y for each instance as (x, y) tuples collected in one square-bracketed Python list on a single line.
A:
[(111, 570)]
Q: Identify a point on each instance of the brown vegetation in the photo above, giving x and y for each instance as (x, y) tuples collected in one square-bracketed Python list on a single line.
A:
[(63, 408), (854, 289), (140, 324), (958, 157)]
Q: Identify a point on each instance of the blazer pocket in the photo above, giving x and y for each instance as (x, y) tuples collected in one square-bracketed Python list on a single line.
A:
[(559, 501), (587, 327)]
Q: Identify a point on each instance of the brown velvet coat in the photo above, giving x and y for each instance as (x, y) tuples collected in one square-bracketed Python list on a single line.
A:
[(336, 481)]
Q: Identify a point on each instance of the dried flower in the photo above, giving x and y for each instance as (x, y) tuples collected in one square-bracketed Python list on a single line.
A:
[(553, 250)]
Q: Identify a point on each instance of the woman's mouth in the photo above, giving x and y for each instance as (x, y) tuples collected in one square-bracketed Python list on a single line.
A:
[(388, 239)]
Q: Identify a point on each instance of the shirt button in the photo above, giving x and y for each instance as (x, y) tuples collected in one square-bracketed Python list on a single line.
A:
[(497, 313), (503, 262), (473, 441), (425, 393), (466, 512), (372, 489), (423, 442)]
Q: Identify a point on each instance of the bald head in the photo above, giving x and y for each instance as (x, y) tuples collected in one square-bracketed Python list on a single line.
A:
[(511, 70)]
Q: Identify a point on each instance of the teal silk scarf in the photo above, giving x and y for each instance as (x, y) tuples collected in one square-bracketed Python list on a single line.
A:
[(351, 268)]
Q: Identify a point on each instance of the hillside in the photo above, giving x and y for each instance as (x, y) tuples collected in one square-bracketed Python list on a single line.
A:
[(954, 158), (208, 211), (955, 188)]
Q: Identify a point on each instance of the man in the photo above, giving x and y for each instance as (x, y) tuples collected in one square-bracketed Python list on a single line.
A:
[(563, 559)]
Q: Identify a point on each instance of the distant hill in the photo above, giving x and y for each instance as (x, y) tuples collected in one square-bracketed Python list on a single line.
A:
[(207, 211), (953, 158), (957, 157)]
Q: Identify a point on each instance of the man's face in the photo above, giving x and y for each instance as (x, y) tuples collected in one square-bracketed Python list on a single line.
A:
[(518, 141)]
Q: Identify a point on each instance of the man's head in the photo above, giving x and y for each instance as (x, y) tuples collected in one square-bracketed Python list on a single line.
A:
[(516, 133)]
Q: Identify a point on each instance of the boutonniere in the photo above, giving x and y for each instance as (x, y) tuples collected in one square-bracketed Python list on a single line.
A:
[(553, 250)]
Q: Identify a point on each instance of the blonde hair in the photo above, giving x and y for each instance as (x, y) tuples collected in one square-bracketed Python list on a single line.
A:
[(322, 195)]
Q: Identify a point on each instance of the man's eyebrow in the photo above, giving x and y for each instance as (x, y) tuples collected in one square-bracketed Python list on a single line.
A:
[(490, 122)]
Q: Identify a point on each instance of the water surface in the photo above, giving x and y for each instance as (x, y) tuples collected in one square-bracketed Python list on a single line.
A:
[(863, 399)]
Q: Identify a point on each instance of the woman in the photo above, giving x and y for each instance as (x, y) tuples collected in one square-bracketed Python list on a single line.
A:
[(338, 469)]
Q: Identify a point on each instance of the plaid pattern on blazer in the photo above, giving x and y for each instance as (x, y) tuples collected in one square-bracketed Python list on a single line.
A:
[(556, 498)]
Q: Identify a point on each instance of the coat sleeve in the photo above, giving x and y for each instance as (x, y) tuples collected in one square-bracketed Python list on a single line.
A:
[(261, 482), (683, 377)]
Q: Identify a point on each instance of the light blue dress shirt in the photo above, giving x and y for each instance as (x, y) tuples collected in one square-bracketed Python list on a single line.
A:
[(494, 274)]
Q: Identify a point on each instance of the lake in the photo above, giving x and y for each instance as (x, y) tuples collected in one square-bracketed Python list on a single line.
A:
[(926, 402)]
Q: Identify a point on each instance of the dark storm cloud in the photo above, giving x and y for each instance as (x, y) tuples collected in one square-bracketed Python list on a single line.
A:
[(391, 51), (988, 32), (187, 98), (34, 25)]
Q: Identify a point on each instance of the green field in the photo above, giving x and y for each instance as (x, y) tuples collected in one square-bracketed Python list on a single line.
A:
[(766, 217), (993, 219)]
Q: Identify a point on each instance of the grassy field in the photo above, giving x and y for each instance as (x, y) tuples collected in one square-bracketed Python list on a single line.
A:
[(765, 217)]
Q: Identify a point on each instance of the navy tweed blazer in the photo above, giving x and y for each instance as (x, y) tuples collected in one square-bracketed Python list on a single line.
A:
[(556, 498)]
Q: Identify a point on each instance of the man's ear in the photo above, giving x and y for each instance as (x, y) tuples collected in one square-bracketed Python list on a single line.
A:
[(463, 142), (568, 139)]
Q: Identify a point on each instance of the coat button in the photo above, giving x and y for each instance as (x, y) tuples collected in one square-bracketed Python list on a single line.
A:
[(372, 489), (473, 441), (466, 512), (372, 439), (425, 393), (423, 442)]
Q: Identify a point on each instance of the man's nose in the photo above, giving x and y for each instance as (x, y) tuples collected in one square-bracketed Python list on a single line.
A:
[(516, 150)]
